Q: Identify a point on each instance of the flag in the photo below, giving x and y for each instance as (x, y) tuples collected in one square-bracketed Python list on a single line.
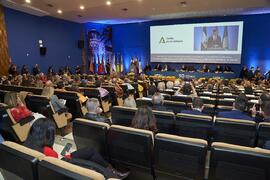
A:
[(102, 65), (117, 63), (91, 65), (204, 39), (113, 64), (99, 66), (140, 66), (225, 40), (121, 64)]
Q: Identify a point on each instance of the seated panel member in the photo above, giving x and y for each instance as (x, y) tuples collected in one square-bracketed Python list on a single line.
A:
[(239, 106), (197, 107), (158, 67), (183, 68), (218, 69), (205, 68)]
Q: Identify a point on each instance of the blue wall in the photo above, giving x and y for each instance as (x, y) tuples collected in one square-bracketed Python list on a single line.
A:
[(59, 36), (134, 39)]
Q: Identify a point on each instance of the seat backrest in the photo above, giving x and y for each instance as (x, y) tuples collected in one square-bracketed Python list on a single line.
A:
[(130, 146), (225, 102), (195, 126), (56, 169), (19, 160), (263, 133), (40, 104), (91, 92), (180, 156), (144, 102), (182, 98), (88, 133), (238, 162), (123, 115), (165, 121), (175, 106), (72, 102), (235, 131)]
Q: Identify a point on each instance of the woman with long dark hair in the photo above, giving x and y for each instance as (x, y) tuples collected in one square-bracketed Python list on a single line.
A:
[(145, 119), (41, 138)]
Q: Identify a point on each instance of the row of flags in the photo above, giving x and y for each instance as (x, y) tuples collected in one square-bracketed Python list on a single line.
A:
[(97, 63)]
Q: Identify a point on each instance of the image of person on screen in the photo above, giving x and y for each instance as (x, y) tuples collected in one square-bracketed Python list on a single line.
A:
[(214, 41)]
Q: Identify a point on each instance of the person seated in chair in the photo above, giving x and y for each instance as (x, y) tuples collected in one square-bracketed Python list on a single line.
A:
[(239, 107), (94, 111), (42, 138), (144, 119), (157, 100), (197, 107), (18, 110), (58, 104)]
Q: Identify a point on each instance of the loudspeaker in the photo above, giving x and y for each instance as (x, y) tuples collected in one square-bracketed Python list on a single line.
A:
[(80, 44), (42, 51)]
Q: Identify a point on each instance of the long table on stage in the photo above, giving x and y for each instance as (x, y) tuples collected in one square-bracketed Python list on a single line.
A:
[(191, 75)]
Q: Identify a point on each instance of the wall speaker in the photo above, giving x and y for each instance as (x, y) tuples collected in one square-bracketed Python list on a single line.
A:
[(42, 51), (80, 44)]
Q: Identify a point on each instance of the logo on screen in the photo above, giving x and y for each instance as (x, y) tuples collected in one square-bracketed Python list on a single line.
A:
[(162, 40)]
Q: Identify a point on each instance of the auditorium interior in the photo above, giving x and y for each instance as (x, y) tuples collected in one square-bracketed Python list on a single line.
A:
[(134, 89)]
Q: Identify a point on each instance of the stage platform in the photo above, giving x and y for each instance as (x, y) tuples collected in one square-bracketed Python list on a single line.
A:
[(192, 75)]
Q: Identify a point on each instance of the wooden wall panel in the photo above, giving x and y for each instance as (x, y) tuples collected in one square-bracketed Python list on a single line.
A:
[(4, 56)]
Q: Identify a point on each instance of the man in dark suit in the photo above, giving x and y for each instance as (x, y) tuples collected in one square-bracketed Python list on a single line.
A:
[(214, 41), (157, 100), (239, 106), (197, 107)]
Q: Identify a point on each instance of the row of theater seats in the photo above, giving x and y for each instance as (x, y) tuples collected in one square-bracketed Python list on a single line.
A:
[(165, 156), (19, 162), (18, 131), (72, 99), (211, 106), (233, 131)]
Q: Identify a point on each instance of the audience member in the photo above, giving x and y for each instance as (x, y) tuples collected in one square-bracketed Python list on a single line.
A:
[(17, 109), (130, 101), (42, 136), (169, 85), (94, 111), (152, 89), (197, 107), (36, 70), (187, 89), (103, 92), (58, 104), (239, 107), (157, 101), (161, 86), (145, 119)]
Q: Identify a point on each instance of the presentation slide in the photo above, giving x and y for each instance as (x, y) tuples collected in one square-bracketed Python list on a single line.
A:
[(219, 43)]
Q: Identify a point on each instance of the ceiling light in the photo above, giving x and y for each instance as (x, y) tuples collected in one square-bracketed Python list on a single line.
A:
[(108, 3), (82, 7), (28, 1), (59, 11)]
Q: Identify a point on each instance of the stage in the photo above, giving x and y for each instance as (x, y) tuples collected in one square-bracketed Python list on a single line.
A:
[(192, 75)]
